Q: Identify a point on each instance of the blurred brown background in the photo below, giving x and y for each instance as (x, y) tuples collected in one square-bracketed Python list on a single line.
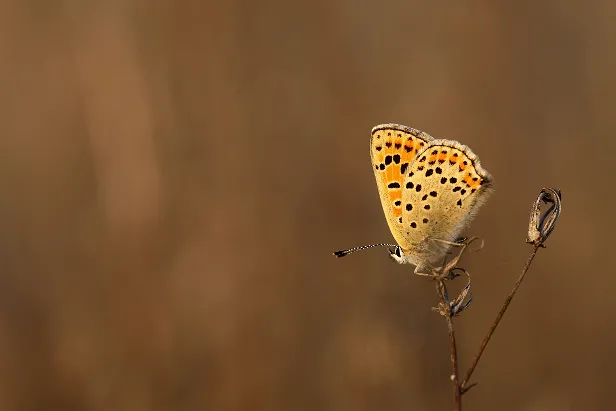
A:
[(174, 176)]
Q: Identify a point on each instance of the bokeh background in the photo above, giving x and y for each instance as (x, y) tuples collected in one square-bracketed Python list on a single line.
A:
[(174, 176)]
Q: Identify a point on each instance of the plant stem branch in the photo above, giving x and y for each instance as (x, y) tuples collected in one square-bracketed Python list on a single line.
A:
[(463, 386), (445, 311), (457, 392)]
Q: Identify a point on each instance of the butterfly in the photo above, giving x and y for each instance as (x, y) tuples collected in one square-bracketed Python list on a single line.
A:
[(430, 190)]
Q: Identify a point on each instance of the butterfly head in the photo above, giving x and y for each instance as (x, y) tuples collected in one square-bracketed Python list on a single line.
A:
[(397, 254)]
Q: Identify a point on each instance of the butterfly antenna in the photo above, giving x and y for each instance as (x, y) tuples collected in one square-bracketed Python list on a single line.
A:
[(343, 253)]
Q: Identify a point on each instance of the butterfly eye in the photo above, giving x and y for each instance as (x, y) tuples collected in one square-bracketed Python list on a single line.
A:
[(398, 251)]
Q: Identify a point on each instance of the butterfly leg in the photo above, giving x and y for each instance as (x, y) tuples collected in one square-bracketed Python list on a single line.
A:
[(460, 242), (446, 269), (424, 271)]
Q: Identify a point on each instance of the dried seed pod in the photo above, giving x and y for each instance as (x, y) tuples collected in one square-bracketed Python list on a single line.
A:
[(541, 225)]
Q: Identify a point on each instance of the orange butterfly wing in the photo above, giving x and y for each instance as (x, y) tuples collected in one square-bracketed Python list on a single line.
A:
[(393, 148)]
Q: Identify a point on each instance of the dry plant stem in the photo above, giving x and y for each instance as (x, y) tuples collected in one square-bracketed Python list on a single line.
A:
[(445, 311), (457, 392), (463, 386)]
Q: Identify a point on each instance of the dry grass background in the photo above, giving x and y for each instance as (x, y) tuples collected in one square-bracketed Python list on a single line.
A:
[(175, 174)]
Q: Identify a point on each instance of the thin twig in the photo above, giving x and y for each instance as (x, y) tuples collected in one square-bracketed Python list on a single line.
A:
[(448, 309), (457, 392), (463, 386), (445, 311)]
